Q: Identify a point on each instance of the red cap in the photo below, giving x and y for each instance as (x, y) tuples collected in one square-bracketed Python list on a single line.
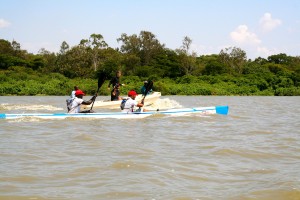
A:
[(132, 93), (79, 92)]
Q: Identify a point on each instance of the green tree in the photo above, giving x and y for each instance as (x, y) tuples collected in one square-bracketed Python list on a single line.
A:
[(64, 47), (260, 60), (61, 61), (7, 61), (150, 47), (145, 46), (167, 64), (78, 63), (186, 45), (49, 59), (130, 63), (6, 47), (131, 44), (255, 68), (94, 45), (111, 61), (234, 58), (213, 68), (281, 58), (74, 62), (187, 60)]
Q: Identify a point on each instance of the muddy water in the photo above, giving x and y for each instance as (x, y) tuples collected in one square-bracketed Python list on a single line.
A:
[(252, 153)]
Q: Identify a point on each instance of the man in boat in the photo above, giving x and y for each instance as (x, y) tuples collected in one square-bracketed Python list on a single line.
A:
[(115, 93), (77, 101), (72, 96), (131, 104), (115, 80)]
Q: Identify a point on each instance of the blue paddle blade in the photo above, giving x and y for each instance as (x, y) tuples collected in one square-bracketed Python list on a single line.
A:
[(223, 110)]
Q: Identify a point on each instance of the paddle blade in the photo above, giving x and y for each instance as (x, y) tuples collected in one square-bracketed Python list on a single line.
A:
[(148, 87), (101, 79), (223, 110)]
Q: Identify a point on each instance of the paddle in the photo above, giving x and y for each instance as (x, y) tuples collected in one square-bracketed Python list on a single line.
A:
[(148, 88), (101, 80)]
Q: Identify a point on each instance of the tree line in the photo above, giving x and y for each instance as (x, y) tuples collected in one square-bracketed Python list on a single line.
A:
[(141, 57)]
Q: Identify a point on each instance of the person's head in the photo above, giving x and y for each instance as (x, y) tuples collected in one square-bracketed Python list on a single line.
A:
[(145, 82), (132, 94), (76, 88), (118, 73), (79, 94)]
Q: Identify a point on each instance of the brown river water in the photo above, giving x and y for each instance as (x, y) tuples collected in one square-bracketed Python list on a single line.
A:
[(252, 153)]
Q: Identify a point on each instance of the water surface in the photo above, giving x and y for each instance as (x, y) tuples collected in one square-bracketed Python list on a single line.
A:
[(252, 153)]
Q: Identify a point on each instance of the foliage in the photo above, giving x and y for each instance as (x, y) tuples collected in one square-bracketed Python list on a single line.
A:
[(234, 58), (145, 46), (7, 61), (142, 57), (214, 68)]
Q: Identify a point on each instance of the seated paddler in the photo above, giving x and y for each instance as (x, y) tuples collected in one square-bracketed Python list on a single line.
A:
[(130, 104), (77, 101)]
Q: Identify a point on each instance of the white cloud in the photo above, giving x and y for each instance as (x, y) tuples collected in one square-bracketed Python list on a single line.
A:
[(263, 51), (266, 52), (242, 35), (4, 23), (267, 23)]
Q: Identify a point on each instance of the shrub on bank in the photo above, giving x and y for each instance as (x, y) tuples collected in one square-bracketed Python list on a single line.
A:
[(24, 81)]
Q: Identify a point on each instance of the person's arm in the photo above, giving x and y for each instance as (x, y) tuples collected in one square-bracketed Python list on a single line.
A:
[(140, 105), (89, 101), (113, 93)]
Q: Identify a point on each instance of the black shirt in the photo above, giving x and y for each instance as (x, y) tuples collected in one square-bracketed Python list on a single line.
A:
[(114, 81)]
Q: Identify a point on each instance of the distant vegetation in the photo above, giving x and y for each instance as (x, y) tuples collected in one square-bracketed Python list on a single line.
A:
[(142, 57)]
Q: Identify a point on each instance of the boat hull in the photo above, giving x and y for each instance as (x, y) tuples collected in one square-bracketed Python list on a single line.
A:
[(149, 99), (121, 115)]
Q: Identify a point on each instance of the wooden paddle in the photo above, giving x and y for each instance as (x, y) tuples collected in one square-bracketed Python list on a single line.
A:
[(101, 80), (148, 88)]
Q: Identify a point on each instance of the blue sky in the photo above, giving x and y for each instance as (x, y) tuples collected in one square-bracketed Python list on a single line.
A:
[(259, 27)]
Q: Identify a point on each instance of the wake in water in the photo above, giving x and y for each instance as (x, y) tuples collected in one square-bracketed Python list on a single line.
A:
[(7, 106), (163, 104)]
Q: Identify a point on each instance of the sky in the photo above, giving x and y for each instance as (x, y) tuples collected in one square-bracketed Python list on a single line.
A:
[(259, 27)]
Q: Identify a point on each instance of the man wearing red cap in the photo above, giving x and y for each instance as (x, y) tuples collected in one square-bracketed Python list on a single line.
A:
[(75, 106), (131, 103)]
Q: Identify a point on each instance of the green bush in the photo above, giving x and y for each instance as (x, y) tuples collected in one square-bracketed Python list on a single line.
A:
[(292, 91), (25, 81)]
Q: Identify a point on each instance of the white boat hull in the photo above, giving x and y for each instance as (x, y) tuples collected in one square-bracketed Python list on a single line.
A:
[(121, 115)]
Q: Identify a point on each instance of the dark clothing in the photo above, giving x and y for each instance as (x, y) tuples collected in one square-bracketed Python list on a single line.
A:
[(144, 88), (114, 81), (114, 96), (115, 92)]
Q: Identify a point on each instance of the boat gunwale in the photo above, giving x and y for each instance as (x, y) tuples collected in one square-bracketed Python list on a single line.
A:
[(224, 111)]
